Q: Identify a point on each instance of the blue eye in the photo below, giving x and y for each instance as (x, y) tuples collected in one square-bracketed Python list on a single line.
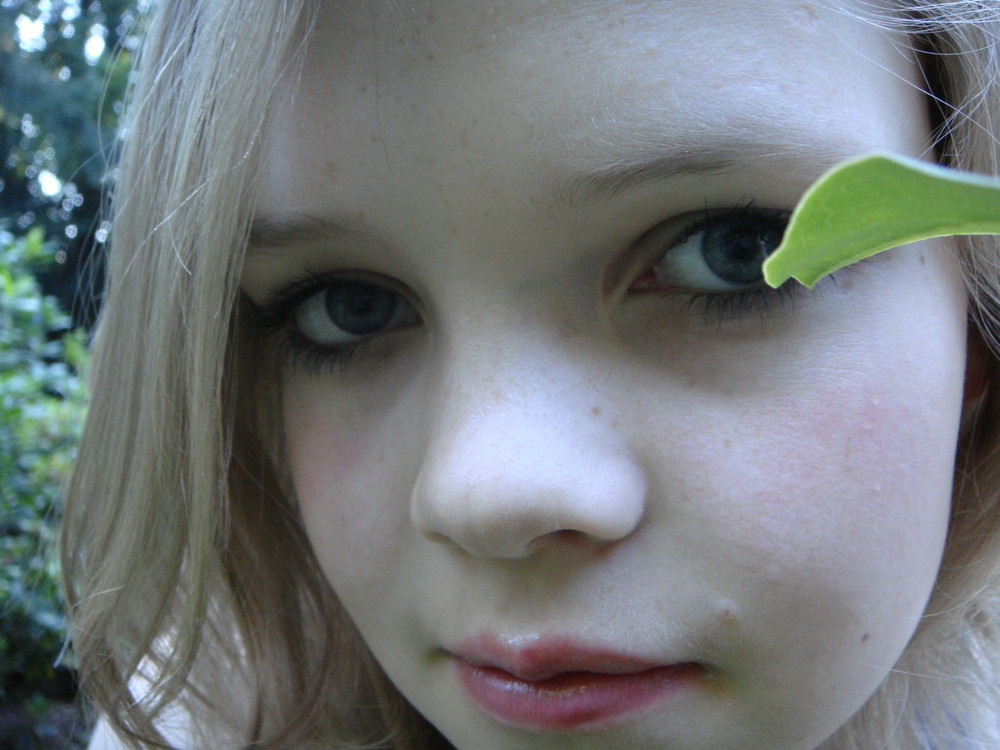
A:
[(325, 319), (342, 313), (719, 252)]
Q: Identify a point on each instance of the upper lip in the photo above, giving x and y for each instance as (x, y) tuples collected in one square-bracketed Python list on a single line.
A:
[(539, 658)]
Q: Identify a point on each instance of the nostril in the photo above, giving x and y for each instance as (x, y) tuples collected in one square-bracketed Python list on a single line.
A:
[(566, 538), (437, 537)]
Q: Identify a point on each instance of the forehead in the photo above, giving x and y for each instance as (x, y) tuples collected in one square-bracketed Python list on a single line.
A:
[(451, 89)]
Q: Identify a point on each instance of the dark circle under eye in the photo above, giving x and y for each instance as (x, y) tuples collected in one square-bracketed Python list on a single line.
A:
[(735, 246), (360, 309)]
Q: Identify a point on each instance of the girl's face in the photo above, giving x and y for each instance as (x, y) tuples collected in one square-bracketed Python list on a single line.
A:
[(579, 480)]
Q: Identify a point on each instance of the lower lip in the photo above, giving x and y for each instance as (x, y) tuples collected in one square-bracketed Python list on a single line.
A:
[(571, 700)]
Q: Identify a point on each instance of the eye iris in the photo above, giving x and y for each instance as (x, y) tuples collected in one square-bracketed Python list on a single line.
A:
[(734, 249), (360, 309)]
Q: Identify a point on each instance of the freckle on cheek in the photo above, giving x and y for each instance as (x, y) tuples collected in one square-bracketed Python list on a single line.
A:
[(729, 613)]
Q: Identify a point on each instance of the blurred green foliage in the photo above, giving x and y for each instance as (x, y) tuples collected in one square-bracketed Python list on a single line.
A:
[(64, 66), (42, 404)]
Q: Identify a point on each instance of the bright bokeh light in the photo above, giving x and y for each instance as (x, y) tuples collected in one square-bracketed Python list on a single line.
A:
[(48, 183), (30, 34), (93, 48), (71, 11)]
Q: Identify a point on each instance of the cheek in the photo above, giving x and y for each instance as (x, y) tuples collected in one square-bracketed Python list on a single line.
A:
[(831, 515), (322, 460), (836, 480), (847, 444), (822, 519), (349, 454), (879, 440), (860, 490)]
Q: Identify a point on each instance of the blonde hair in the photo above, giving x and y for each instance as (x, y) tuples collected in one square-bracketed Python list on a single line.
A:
[(185, 561)]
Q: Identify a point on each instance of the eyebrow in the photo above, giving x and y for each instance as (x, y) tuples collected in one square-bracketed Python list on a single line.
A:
[(609, 181), (605, 181), (296, 228)]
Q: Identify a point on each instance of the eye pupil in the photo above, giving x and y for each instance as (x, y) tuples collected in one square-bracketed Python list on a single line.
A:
[(735, 250), (360, 309)]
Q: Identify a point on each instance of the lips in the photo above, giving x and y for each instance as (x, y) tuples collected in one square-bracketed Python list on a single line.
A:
[(561, 684)]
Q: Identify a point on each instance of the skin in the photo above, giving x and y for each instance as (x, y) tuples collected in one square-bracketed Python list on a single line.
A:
[(555, 448)]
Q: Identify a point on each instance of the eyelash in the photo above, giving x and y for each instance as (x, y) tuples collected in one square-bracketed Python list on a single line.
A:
[(720, 306), (274, 320), (275, 317), (726, 307)]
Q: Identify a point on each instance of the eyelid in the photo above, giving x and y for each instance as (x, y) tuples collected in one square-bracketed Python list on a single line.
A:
[(279, 304), (658, 243), (274, 317), (686, 224)]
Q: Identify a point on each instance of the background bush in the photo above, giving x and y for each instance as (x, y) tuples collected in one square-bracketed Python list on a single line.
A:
[(42, 402), (64, 66)]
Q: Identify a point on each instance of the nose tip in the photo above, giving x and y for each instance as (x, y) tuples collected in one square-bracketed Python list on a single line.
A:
[(509, 500)]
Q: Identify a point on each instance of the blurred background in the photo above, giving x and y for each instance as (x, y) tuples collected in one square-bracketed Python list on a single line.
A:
[(64, 66)]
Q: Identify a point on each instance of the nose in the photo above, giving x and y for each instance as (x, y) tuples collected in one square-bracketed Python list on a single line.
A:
[(512, 468)]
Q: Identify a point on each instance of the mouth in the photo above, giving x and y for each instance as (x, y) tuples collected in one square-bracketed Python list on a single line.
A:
[(558, 684)]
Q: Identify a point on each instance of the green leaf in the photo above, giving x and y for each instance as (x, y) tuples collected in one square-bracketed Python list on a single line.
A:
[(34, 241), (876, 202)]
